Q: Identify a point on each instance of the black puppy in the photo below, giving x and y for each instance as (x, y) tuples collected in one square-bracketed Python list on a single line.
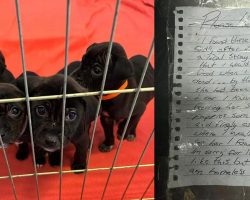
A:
[(47, 120), (12, 115), (122, 73), (5, 75)]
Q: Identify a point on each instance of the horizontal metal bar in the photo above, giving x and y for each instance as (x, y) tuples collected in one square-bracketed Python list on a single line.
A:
[(75, 95), (74, 171)]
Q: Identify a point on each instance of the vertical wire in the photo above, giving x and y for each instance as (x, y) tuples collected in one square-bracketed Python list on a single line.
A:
[(64, 90), (146, 190), (8, 167), (27, 94), (139, 161), (102, 89), (129, 116)]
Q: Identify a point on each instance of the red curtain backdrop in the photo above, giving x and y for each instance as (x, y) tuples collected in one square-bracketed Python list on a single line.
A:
[(43, 23)]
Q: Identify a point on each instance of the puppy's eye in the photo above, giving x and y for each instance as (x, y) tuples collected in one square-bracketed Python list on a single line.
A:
[(14, 111), (41, 111), (96, 70), (71, 116)]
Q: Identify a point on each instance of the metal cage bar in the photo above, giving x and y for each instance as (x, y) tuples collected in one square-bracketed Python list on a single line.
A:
[(75, 171), (139, 161), (64, 91), (75, 95), (130, 114), (102, 89), (8, 168), (27, 93), (146, 190)]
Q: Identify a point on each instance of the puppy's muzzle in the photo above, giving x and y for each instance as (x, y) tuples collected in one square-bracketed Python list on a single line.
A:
[(3, 144), (51, 141), (4, 135)]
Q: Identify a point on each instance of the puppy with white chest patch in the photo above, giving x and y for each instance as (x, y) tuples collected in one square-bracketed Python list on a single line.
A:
[(123, 73), (47, 120)]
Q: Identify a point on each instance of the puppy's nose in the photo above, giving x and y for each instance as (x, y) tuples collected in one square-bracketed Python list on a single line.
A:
[(53, 124), (2, 134), (50, 141)]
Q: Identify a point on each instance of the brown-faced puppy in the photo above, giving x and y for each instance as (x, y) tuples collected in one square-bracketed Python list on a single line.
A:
[(13, 119), (122, 73), (47, 119), (5, 75)]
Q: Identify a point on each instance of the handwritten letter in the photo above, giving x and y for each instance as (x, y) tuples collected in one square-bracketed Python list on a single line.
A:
[(210, 141)]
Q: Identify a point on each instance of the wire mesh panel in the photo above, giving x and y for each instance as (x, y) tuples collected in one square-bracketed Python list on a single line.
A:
[(114, 175)]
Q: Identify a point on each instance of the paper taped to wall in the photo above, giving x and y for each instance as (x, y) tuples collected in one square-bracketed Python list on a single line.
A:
[(210, 139)]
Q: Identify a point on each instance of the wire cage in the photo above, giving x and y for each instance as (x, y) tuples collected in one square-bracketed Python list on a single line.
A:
[(118, 177)]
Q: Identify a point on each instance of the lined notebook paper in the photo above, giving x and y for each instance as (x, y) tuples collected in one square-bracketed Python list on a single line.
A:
[(210, 139)]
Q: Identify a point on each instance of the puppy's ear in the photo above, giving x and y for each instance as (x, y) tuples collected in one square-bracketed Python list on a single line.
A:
[(33, 82), (2, 59), (122, 69), (2, 62), (90, 47), (90, 104)]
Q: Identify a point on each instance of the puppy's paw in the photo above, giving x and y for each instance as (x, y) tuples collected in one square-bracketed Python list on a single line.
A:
[(130, 138), (22, 152), (54, 162), (22, 155), (40, 161), (105, 148), (54, 159), (119, 137), (78, 166), (39, 166)]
